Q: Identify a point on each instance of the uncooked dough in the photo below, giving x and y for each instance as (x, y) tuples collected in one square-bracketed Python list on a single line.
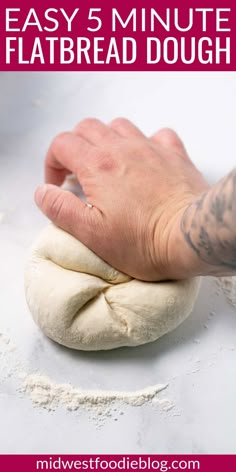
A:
[(80, 301)]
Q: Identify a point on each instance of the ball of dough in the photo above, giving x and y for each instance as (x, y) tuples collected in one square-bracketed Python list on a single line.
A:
[(80, 301)]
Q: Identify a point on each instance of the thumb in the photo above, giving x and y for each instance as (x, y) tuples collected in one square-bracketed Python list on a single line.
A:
[(68, 212)]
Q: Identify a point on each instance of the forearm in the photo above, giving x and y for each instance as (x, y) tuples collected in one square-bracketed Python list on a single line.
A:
[(205, 239)]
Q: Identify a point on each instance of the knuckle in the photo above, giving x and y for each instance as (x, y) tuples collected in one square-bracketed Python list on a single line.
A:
[(59, 141), (167, 132), (168, 137), (86, 123), (120, 122)]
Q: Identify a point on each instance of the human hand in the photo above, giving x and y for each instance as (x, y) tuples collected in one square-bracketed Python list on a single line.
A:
[(139, 189)]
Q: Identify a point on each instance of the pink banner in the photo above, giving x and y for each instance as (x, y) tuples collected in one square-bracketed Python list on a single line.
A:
[(33, 463), (134, 35)]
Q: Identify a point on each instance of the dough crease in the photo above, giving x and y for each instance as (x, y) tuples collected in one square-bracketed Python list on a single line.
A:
[(78, 300)]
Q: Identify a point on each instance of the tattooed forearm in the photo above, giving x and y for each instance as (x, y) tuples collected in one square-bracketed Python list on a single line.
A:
[(209, 224)]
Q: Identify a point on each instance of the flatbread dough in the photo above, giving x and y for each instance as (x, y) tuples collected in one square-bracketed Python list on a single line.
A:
[(83, 303)]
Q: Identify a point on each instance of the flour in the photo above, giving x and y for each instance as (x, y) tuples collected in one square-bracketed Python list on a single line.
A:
[(47, 394), (100, 405), (6, 344), (228, 285), (164, 403), (9, 362)]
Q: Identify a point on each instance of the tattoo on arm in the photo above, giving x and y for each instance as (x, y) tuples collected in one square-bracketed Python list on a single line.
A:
[(209, 224)]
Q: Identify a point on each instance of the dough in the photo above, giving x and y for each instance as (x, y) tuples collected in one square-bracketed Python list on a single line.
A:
[(83, 303)]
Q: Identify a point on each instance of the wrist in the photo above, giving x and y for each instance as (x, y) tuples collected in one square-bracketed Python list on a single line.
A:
[(185, 261)]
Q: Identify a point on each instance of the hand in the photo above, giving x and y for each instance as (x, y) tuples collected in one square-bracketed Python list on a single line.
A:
[(139, 188)]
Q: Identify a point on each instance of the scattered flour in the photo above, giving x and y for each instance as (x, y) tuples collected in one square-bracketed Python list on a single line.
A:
[(46, 394), (6, 344), (9, 361), (165, 404), (43, 392)]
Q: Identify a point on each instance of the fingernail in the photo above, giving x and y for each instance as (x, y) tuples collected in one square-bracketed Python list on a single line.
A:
[(39, 194)]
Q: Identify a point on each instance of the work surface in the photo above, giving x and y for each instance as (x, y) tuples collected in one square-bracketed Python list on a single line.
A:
[(198, 360)]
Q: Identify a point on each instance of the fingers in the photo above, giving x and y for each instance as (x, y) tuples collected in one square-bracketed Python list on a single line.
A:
[(125, 128), (94, 131), (168, 138), (69, 151), (67, 154), (68, 212)]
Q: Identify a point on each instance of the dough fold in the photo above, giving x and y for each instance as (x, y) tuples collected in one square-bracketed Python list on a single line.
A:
[(81, 302)]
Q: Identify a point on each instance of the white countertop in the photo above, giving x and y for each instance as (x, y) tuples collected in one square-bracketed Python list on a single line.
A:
[(198, 360)]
